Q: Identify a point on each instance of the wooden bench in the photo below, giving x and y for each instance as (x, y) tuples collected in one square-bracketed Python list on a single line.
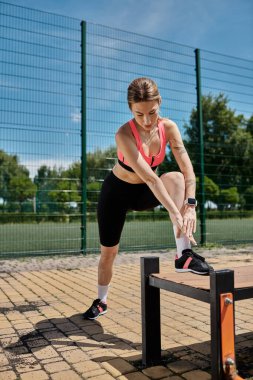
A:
[(220, 290)]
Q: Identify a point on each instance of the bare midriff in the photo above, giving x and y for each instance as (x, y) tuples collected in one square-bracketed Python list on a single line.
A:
[(125, 175)]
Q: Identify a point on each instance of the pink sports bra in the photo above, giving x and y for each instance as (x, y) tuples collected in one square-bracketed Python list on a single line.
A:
[(153, 161)]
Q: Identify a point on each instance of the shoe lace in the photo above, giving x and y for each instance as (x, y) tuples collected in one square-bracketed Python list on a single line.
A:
[(196, 255), (95, 305), (203, 260)]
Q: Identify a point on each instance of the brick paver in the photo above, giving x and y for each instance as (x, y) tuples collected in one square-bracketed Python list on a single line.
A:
[(157, 372), (43, 335), (117, 367), (38, 375), (56, 366), (181, 366), (8, 375), (197, 375)]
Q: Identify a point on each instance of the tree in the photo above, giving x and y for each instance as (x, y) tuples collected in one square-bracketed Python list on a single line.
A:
[(249, 127), (15, 184), (169, 164), (212, 190), (58, 188), (240, 166), (46, 180), (228, 144), (68, 189), (248, 198), (93, 191), (22, 189), (71, 181), (229, 198), (99, 162), (8, 169)]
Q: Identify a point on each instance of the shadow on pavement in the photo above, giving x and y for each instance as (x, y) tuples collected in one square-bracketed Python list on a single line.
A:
[(71, 331), (77, 332)]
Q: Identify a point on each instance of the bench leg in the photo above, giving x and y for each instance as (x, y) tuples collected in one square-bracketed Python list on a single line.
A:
[(150, 312), (221, 282)]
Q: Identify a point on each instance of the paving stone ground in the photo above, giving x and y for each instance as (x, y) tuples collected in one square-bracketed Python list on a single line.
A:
[(43, 335)]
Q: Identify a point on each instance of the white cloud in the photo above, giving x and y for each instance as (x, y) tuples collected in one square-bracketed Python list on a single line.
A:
[(76, 117)]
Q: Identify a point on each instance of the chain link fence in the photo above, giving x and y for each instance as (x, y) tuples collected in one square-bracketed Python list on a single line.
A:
[(40, 132), (63, 96)]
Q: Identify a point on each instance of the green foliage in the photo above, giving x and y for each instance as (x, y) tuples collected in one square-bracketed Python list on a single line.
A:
[(22, 189), (67, 191), (59, 189), (223, 213), (99, 163), (249, 127), (31, 217), (211, 189), (93, 190), (248, 198), (156, 215), (229, 197), (46, 180), (15, 185), (240, 166), (228, 144), (169, 164)]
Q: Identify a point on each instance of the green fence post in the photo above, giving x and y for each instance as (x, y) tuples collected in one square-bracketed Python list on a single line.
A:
[(201, 151), (83, 139)]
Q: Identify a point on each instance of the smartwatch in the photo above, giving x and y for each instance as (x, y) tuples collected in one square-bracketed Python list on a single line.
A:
[(191, 202)]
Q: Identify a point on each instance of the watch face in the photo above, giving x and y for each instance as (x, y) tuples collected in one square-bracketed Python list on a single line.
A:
[(191, 201)]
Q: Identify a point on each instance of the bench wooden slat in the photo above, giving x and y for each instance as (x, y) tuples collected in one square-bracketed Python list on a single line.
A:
[(243, 278)]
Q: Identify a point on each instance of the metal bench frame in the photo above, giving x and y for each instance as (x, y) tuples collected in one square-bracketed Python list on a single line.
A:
[(221, 282)]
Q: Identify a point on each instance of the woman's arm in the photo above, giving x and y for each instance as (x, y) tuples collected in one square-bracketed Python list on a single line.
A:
[(177, 146), (127, 146)]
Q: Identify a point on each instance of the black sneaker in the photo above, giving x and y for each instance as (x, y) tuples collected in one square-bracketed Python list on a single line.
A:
[(192, 262), (97, 308)]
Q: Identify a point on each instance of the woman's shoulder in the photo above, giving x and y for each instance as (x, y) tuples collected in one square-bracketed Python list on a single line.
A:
[(169, 125), (124, 129), (123, 133)]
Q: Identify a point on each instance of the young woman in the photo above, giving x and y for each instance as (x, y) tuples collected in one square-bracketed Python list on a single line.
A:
[(133, 184)]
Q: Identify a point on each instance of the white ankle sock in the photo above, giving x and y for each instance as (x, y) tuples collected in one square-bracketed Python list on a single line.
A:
[(182, 242), (103, 292)]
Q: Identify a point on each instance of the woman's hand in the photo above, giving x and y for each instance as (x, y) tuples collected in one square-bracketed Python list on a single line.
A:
[(177, 220), (189, 222), (186, 224)]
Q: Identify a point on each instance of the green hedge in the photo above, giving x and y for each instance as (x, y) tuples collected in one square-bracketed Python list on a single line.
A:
[(217, 214), (38, 218), (151, 215), (154, 215)]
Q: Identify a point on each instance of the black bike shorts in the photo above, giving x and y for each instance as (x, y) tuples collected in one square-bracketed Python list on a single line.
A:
[(116, 198)]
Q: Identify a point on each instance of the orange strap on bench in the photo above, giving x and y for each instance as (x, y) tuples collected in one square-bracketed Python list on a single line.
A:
[(228, 336)]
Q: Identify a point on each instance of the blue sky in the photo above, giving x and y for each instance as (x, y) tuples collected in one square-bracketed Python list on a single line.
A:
[(223, 26)]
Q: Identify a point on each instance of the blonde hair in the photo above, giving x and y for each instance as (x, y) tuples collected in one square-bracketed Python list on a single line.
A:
[(142, 90)]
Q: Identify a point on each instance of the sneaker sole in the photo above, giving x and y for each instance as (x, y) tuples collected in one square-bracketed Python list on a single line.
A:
[(92, 319), (191, 270)]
